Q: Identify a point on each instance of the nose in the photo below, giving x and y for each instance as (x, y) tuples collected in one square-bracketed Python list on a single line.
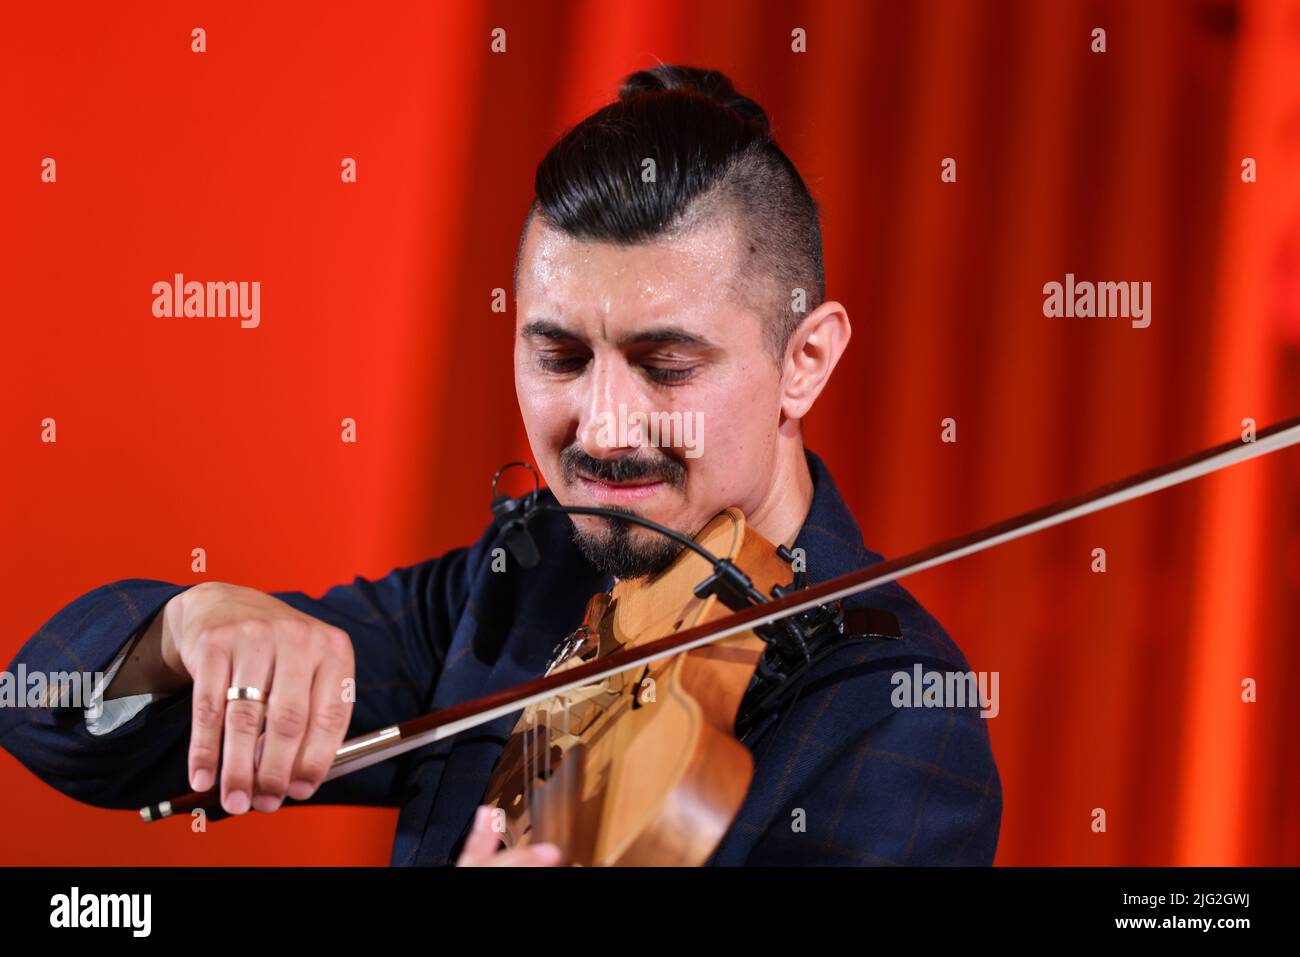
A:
[(612, 394)]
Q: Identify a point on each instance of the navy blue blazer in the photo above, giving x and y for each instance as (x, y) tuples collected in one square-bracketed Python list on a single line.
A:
[(846, 778)]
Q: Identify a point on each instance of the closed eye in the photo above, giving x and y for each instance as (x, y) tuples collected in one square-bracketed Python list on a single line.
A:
[(567, 365), (669, 375), (561, 365)]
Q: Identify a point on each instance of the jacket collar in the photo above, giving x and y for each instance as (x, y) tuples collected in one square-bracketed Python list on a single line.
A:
[(830, 537)]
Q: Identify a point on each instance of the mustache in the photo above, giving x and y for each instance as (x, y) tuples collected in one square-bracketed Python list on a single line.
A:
[(622, 469)]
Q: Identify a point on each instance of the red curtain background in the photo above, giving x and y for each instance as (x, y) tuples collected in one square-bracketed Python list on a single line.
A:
[(1119, 690)]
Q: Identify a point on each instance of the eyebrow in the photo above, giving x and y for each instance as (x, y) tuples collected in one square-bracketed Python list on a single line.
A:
[(545, 329), (550, 329)]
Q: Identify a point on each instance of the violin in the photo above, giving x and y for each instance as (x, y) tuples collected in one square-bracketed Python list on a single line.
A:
[(626, 752), (642, 767)]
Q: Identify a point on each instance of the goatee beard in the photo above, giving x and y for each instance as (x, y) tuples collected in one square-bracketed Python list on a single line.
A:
[(615, 551), (617, 548)]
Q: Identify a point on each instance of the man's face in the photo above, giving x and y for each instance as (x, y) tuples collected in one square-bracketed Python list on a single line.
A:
[(608, 336)]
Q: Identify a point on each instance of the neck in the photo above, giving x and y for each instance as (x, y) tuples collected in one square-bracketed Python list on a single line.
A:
[(782, 512)]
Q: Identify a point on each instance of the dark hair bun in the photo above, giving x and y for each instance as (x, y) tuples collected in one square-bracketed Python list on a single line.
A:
[(708, 83)]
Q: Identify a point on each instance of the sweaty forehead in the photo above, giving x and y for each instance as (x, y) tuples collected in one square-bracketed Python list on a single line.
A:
[(576, 280)]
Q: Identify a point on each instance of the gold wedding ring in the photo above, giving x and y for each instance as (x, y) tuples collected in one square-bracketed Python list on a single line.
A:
[(244, 694)]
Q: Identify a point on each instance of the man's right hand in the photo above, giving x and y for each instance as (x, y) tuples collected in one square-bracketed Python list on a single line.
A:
[(224, 636)]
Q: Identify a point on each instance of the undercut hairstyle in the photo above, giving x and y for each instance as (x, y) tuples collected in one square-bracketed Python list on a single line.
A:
[(714, 157)]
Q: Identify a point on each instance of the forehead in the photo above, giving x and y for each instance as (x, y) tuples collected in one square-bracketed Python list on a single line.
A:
[(576, 280)]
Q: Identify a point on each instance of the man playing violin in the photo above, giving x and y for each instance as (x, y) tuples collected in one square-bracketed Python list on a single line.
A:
[(670, 263)]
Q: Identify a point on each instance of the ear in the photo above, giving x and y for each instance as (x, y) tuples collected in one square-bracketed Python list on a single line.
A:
[(811, 355)]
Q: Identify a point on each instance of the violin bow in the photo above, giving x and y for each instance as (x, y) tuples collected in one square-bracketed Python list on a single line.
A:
[(374, 747)]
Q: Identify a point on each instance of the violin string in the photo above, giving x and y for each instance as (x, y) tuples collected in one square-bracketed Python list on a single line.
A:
[(546, 758), (544, 742), (527, 777), (532, 774), (534, 779), (566, 776)]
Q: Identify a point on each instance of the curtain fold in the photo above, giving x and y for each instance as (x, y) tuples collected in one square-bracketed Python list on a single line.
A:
[(1121, 690)]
